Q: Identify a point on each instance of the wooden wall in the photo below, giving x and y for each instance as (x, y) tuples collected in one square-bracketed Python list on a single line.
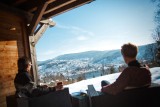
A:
[(13, 44)]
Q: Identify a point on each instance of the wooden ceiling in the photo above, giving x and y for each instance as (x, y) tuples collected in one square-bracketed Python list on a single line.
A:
[(43, 9)]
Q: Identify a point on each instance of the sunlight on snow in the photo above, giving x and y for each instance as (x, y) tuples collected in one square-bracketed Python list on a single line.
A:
[(82, 85)]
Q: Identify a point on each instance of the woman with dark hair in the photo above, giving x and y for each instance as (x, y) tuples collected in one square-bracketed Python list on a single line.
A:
[(24, 84)]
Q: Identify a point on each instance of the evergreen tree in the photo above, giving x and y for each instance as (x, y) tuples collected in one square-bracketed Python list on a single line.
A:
[(112, 70)]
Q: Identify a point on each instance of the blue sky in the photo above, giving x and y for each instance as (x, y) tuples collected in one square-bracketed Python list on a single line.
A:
[(100, 25)]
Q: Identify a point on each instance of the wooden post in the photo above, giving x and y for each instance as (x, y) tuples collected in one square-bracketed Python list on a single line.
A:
[(33, 41), (33, 58)]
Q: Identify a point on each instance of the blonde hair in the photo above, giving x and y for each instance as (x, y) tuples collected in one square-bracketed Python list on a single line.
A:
[(129, 50)]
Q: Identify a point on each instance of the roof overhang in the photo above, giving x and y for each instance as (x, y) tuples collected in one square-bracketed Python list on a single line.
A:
[(42, 9)]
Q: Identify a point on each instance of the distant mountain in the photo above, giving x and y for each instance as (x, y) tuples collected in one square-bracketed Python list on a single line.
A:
[(113, 56), (82, 55), (44, 62), (146, 52)]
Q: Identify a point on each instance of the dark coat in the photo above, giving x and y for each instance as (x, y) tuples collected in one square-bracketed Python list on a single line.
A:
[(25, 87)]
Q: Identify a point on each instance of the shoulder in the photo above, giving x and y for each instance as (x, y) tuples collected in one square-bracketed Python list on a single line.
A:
[(23, 75), (135, 69), (128, 69), (125, 73)]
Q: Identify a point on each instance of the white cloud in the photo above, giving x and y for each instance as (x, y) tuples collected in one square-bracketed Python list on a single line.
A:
[(79, 33), (58, 25), (82, 38)]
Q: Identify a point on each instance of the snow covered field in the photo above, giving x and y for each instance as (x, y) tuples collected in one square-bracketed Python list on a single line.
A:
[(82, 85)]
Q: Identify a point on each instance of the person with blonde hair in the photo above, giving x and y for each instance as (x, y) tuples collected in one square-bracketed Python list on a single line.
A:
[(134, 76)]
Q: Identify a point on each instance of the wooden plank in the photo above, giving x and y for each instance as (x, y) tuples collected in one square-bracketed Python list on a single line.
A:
[(7, 25), (66, 8), (40, 32), (6, 15), (34, 61), (7, 84), (14, 13), (3, 104), (10, 30), (9, 58), (8, 71), (4, 86), (58, 4), (37, 17), (9, 77), (18, 2), (9, 54), (7, 37), (32, 6), (2, 99), (8, 43), (7, 91), (7, 48), (50, 1), (7, 65)]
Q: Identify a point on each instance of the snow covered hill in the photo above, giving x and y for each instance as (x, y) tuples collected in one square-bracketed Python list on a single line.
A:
[(82, 85), (93, 59)]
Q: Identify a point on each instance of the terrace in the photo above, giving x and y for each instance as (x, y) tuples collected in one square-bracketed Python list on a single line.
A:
[(22, 23)]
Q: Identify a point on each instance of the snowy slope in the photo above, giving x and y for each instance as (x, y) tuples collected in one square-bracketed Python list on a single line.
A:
[(82, 85)]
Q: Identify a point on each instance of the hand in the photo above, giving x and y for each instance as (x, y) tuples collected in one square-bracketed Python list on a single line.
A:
[(45, 86), (146, 66), (59, 86)]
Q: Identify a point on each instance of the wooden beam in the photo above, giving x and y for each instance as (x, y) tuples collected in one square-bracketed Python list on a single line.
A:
[(37, 17), (33, 59), (42, 28), (32, 42), (66, 8), (18, 2), (32, 5), (49, 22), (57, 4), (50, 1)]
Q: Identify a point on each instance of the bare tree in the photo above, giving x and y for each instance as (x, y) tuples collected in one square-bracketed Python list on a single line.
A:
[(156, 33), (152, 49)]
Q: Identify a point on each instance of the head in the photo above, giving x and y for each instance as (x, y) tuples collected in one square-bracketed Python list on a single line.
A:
[(24, 64), (129, 52)]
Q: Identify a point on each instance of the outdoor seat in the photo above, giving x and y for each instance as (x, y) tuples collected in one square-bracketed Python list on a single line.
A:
[(54, 99), (139, 97)]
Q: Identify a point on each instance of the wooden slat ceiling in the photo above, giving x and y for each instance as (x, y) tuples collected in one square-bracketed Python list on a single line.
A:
[(53, 7), (43, 9)]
